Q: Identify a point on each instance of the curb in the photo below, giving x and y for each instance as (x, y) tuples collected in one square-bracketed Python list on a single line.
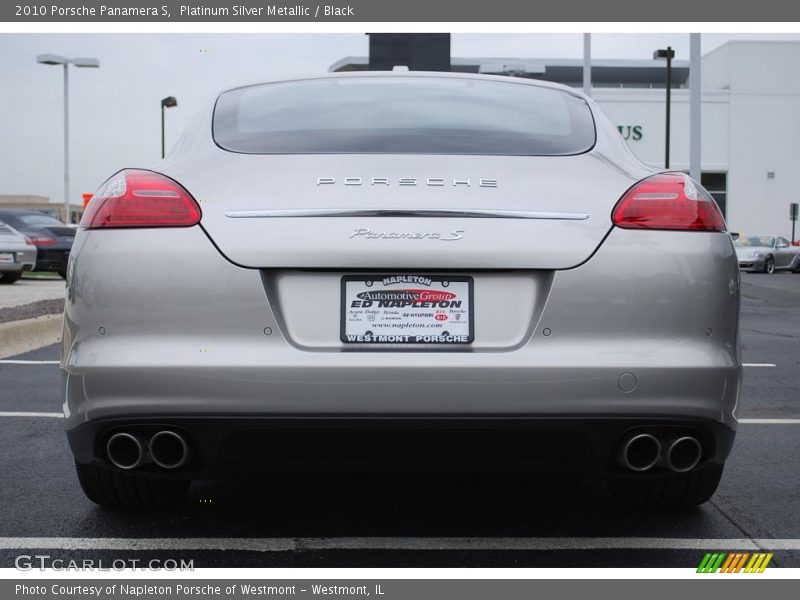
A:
[(17, 337)]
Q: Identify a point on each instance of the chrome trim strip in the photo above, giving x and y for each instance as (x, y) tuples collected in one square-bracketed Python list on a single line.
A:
[(406, 212)]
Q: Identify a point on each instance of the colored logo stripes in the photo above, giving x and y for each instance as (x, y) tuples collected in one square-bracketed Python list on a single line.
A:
[(734, 562)]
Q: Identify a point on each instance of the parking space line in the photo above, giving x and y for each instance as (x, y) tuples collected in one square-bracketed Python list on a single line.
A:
[(50, 415), (396, 543), (58, 415), (770, 421), (57, 362), (29, 362)]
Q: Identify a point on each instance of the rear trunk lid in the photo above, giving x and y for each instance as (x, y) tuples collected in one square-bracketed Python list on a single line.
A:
[(62, 234), (404, 211)]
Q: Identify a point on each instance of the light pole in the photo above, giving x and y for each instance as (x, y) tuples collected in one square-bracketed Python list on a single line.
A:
[(167, 102), (669, 54), (587, 64), (55, 59), (695, 107)]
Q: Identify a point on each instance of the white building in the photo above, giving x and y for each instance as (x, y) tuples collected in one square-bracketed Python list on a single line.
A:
[(750, 119)]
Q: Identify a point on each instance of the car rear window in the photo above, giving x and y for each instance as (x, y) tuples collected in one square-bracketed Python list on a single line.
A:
[(403, 115), (753, 240), (39, 220)]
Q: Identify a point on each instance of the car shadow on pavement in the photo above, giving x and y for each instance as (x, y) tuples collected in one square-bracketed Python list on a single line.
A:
[(351, 505)]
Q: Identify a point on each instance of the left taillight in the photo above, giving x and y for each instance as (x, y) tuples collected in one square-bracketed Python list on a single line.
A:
[(39, 240), (136, 198)]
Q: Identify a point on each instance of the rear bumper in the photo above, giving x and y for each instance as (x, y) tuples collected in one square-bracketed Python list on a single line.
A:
[(24, 260), (519, 384), (52, 259), (752, 265), (646, 331), (223, 446)]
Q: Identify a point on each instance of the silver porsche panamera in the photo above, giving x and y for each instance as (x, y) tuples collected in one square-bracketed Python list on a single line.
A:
[(401, 271)]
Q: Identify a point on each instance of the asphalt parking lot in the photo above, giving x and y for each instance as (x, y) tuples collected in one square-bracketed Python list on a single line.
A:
[(422, 521), (31, 290)]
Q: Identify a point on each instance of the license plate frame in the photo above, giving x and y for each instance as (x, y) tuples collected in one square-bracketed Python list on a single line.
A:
[(8, 258), (417, 310)]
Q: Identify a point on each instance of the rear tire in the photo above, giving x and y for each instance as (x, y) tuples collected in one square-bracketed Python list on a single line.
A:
[(673, 490), (9, 278), (769, 265), (120, 489)]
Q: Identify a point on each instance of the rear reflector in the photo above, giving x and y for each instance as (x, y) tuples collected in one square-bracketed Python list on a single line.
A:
[(135, 198), (668, 201)]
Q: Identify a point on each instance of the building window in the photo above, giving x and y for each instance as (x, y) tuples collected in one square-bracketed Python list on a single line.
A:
[(717, 185)]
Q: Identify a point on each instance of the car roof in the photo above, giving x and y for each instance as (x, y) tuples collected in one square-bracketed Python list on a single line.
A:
[(21, 211), (7, 226)]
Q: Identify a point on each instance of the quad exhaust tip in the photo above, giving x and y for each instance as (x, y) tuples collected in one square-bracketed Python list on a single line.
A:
[(169, 450), (125, 451), (639, 452)]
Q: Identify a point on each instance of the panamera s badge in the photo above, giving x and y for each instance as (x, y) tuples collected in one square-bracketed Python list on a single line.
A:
[(369, 234), (409, 181)]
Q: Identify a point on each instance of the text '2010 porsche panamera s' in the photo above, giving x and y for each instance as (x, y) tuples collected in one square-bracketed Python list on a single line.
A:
[(402, 271)]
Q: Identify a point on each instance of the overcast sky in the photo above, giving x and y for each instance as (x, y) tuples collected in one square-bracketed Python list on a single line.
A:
[(115, 114)]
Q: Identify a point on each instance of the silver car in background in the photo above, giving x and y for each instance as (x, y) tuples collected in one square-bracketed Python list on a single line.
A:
[(766, 253), (401, 271), (17, 254)]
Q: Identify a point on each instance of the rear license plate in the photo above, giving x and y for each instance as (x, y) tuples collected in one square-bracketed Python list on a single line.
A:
[(406, 309), (6, 258)]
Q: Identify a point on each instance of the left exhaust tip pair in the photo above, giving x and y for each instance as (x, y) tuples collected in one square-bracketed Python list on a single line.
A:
[(167, 449)]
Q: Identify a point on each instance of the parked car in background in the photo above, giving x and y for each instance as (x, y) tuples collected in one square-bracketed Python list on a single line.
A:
[(52, 238), (766, 253), (17, 254)]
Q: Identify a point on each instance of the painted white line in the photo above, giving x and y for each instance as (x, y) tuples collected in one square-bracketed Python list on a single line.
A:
[(56, 362), (49, 415), (770, 421), (56, 415), (29, 362), (396, 543)]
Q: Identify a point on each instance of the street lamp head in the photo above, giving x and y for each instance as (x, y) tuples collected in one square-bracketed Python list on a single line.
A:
[(56, 59), (667, 52), (91, 63), (169, 102), (52, 59)]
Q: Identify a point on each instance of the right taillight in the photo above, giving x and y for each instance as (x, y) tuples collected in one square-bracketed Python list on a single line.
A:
[(137, 198), (668, 201)]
